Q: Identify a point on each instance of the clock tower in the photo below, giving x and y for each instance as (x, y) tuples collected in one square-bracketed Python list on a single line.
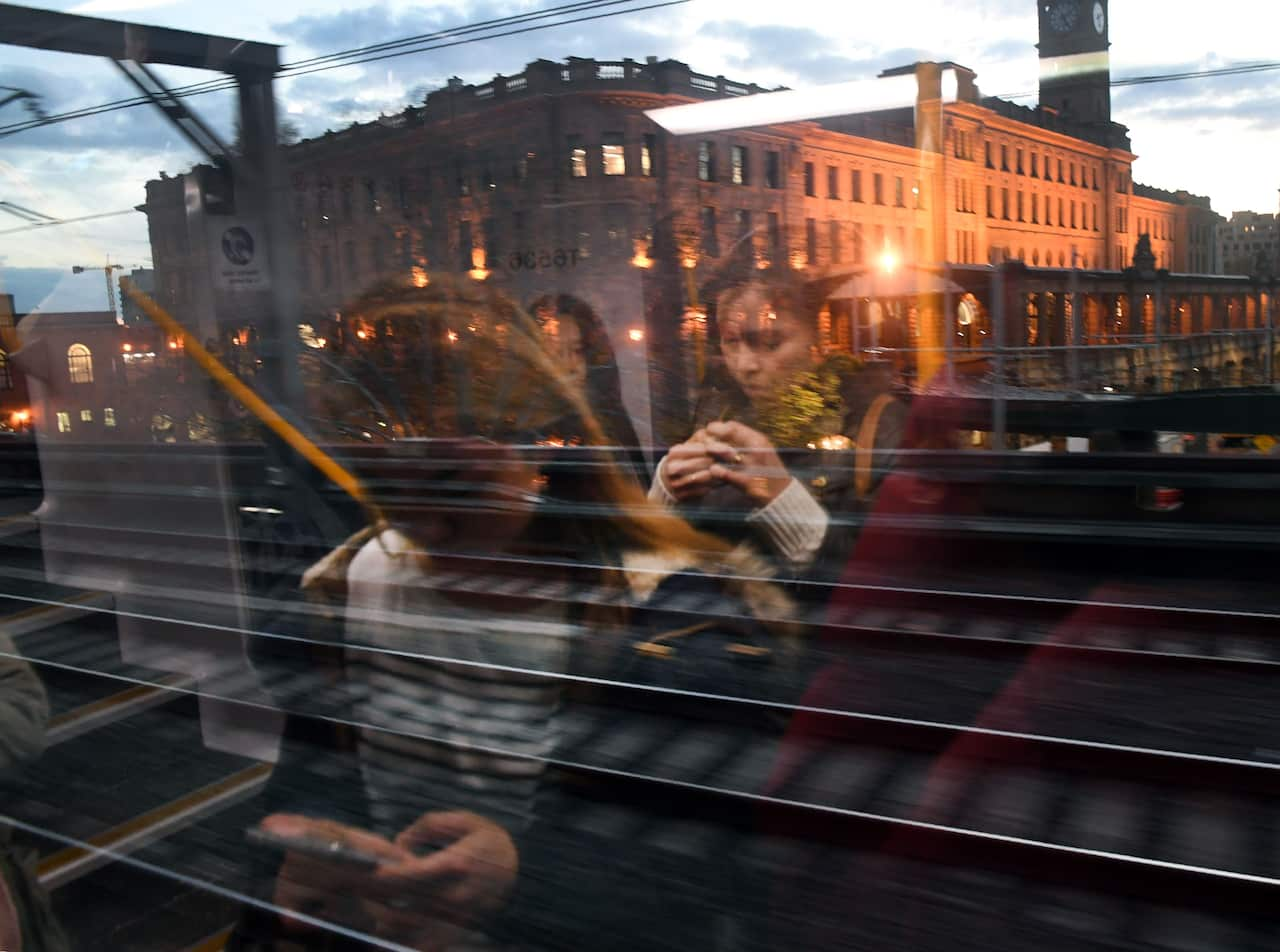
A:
[(1075, 67)]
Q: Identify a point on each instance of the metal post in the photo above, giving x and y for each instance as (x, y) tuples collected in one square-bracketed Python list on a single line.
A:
[(999, 313), (1073, 327), (1271, 339), (266, 190), (1158, 323), (949, 328)]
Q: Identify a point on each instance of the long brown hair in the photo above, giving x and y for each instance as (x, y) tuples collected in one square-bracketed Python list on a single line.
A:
[(482, 368)]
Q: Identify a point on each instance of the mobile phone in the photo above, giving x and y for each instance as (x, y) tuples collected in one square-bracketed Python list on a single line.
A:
[(327, 848)]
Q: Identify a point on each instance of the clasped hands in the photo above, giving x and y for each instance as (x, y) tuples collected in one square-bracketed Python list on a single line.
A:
[(725, 452)]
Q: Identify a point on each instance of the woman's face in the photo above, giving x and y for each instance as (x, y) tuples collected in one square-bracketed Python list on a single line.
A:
[(564, 341), (763, 347)]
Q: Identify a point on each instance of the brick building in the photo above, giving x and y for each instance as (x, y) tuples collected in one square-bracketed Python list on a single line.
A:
[(555, 180)]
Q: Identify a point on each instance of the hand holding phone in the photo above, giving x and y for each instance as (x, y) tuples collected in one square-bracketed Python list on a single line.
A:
[(315, 845)]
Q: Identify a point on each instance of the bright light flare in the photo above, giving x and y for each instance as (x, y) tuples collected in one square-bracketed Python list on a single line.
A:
[(798, 105)]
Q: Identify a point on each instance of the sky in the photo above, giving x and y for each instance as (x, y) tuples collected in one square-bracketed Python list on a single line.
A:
[(1210, 136)]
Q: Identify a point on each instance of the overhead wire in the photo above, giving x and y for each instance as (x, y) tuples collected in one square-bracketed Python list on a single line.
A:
[(360, 55)]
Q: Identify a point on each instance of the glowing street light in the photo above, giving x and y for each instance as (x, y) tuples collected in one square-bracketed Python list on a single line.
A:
[(888, 261)]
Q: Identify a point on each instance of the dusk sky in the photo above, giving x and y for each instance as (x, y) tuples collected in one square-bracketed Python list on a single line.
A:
[(1211, 136)]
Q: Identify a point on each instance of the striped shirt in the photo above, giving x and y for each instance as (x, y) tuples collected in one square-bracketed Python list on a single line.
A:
[(460, 707)]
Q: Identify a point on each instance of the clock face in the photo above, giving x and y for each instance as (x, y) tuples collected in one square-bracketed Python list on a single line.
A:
[(1063, 14), (1099, 17)]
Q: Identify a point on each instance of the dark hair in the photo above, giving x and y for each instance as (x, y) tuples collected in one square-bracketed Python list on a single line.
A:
[(603, 384), (784, 288)]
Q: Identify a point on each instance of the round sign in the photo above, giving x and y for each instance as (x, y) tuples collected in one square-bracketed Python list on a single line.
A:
[(237, 245)]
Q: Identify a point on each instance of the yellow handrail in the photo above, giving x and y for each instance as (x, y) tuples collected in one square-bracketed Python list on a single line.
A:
[(245, 396)]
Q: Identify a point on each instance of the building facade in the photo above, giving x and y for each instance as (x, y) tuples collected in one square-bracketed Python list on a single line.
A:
[(554, 180), (1249, 243)]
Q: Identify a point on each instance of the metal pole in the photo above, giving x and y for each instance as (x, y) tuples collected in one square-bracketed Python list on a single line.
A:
[(949, 328), (1159, 335), (266, 191), (1073, 326), (1271, 338), (998, 315)]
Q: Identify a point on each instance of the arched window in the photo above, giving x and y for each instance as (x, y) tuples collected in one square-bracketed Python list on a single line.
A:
[(6, 376), (80, 363)]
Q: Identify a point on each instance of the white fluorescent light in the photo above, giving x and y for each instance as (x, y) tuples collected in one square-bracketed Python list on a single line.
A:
[(798, 105)]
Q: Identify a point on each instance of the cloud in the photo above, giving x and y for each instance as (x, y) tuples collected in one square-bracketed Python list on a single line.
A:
[(802, 55)]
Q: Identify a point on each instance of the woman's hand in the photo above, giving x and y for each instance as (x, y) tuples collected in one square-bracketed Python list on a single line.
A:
[(686, 471), (745, 458), (424, 900), (325, 889), (427, 901)]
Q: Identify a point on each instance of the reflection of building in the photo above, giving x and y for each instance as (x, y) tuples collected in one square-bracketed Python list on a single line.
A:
[(554, 180), (1249, 243), (15, 406), (144, 279), (92, 369)]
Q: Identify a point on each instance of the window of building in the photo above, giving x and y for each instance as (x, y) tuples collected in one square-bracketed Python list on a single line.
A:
[(810, 241), (109, 416), (810, 188), (80, 363), (344, 201), (1020, 211), (463, 184), (1004, 158), (86, 416), (1062, 219), (706, 161), (1035, 165), (917, 195), (322, 204), (64, 421), (772, 170), (6, 374), (1095, 178), (738, 171), (1073, 214), (373, 202), (855, 185), (877, 188), (1019, 163), (349, 258), (710, 239), (1073, 173), (899, 192), (577, 158), (833, 241), (1004, 204), (773, 237), (648, 145), (613, 154), (1035, 208), (991, 204), (987, 145), (1059, 170), (742, 223), (857, 243), (833, 182)]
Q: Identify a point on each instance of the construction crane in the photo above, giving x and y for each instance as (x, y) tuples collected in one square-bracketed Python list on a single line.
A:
[(111, 288)]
